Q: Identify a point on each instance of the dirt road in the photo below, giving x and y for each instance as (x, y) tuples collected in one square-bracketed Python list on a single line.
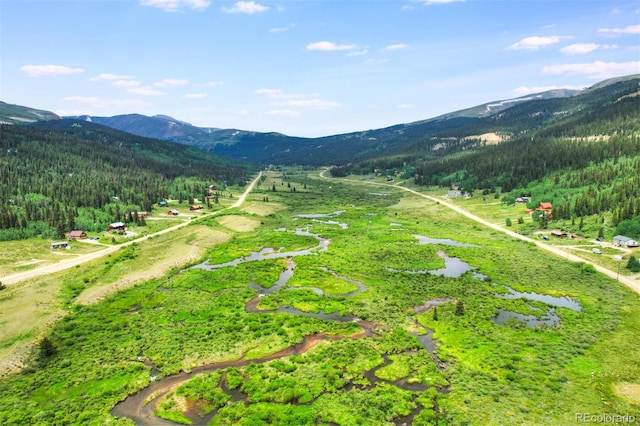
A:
[(70, 263), (633, 285)]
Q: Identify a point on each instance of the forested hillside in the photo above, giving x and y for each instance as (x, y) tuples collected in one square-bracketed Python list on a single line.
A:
[(64, 174), (582, 153)]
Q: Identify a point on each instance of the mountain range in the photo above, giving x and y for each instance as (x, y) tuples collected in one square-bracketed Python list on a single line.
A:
[(491, 122)]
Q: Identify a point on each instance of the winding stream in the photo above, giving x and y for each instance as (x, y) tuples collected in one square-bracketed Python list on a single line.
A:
[(140, 406)]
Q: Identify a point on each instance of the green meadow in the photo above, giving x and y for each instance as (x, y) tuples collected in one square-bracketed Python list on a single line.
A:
[(313, 347)]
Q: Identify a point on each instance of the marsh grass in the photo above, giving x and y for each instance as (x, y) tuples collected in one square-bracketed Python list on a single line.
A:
[(517, 375)]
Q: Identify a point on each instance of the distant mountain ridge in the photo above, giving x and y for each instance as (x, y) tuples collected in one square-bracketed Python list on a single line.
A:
[(273, 147), (157, 126), (504, 119), (17, 114)]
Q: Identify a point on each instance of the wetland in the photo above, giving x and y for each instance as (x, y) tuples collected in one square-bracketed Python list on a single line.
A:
[(338, 309)]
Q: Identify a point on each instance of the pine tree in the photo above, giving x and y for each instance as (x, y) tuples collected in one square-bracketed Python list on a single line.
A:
[(46, 348), (459, 308), (435, 313)]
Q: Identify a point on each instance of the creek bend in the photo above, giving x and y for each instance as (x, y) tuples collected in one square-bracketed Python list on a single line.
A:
[(141, 405)]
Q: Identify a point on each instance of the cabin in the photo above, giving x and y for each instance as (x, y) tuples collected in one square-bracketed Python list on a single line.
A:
[(162, 203), (545, 207), (173, 212), (560, 234), (622, 241), (117, 226), (143, 215), (77, 235), (456, 192), (192, 208), (59, 245)]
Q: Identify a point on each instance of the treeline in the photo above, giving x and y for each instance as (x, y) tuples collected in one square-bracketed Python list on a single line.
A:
[(516, 163), (56, 174), (588, 145)]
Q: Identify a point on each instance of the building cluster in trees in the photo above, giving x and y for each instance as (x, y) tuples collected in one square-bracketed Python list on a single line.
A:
[(56, 180)]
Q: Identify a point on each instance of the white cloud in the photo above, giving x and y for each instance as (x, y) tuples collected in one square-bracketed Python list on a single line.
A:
[(432, 2), (126, 83), (314, 103), (145, 91), (248, 7), (524, 90), (171, 82), (49, 70), (282, 113), (376, 61), (279, 94), (282, 29), (296, 100), (583, 48), (597, 69), (175, 5), (195, 95), (358, 53), (270, 93), (109, 77), (534, 43), (329, 46), (398, 46), (631, 29), (405, 106), (212, 84), (97, 103)]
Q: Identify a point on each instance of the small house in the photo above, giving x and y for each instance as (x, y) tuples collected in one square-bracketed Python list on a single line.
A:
[(545, 207), (116, 226), (173, 212), (454, 193), (622, 241), (142, 215), (162, 203), (58, 245), (192, 208), (559, 234), (77, 235)]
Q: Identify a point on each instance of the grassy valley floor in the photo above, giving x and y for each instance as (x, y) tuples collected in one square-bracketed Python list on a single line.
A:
[(316, 305)]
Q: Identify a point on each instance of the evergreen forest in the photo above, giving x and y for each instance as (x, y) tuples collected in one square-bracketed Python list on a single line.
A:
[(60, 175)]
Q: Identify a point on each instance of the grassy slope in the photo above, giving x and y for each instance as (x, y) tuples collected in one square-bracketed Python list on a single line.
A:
[(498, 374)]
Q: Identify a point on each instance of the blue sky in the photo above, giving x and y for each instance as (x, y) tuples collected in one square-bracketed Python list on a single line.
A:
[(305, 68)]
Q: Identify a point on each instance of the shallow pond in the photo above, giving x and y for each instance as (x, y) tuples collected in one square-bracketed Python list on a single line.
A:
[(442, 241), (319, 215), (530, 321), (560, 302), (550, 318), (453, 268)]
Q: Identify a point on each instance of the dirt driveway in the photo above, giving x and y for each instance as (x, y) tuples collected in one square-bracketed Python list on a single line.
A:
[(70, 263), (629, 282)]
